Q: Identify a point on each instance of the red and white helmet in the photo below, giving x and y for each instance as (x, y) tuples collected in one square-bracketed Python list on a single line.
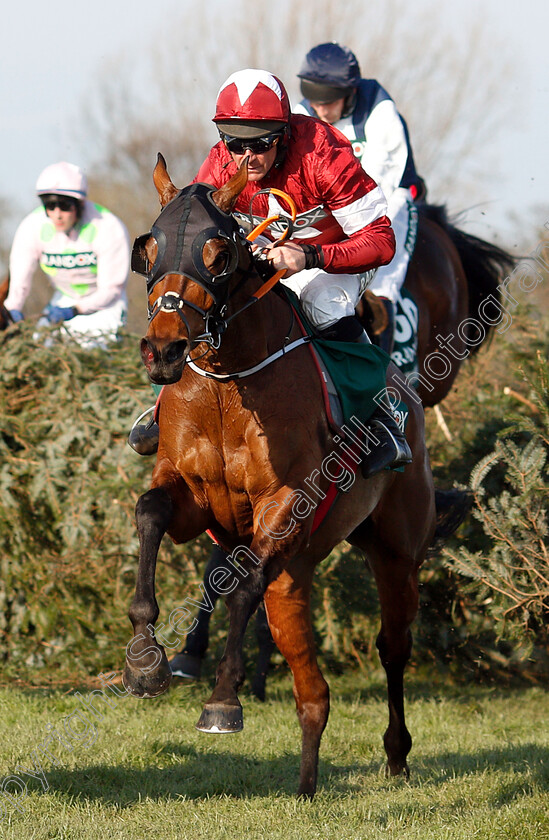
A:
[(252, 103), (63, 179)]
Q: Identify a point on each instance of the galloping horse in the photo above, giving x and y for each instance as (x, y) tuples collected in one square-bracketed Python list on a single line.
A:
[(452, 274), (234, 457)]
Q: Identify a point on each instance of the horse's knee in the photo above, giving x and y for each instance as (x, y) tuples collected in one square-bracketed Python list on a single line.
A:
[(154, 507)]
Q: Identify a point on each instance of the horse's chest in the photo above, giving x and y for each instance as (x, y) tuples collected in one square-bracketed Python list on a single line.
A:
[(224, 462)]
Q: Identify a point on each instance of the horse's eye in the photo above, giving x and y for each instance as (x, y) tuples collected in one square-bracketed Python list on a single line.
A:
[(151, 250), (216, 256)]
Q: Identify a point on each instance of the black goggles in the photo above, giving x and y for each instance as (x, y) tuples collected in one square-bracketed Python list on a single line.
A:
[(65, 204), (256, 145)]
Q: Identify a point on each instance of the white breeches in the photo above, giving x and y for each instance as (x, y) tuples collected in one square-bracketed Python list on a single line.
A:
[(325, 298), (402, 212)]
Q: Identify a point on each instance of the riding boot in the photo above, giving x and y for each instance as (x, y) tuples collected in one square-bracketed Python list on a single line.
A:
[(346, 329), (143, 438), (392, 449), (386, 338)]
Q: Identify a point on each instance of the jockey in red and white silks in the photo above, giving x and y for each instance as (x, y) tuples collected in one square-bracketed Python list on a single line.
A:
[(340, 210), (341, 229)]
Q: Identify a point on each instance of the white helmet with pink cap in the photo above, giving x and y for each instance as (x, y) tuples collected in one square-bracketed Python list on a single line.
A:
[(63, 179)]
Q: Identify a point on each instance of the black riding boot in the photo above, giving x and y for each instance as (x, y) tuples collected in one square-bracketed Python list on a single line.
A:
[(386, 338), (392, 449), (143, 437)]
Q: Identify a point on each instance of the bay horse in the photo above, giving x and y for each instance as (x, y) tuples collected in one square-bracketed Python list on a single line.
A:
[(451, 276), (234, 457)]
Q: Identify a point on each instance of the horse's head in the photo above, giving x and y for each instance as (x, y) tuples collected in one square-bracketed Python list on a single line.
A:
[(189, 257)]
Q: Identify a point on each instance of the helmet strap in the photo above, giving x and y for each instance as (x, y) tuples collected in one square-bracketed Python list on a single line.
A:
[(349, 104), (282, 147)]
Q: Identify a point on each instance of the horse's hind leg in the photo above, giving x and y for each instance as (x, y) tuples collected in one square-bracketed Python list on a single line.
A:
[(398, 594), (223, 711), (147, 672), (188, 662), (266, 647), (288, 609)]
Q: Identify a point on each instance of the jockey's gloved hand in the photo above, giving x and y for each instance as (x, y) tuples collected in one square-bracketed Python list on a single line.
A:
[(57, 314), (16, 315)]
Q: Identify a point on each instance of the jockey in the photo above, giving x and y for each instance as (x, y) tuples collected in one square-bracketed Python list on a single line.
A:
[(85, 251), (341, 229), (360, 108)]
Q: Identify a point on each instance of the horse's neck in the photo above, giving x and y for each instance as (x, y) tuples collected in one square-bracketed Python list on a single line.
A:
[(253, 335)]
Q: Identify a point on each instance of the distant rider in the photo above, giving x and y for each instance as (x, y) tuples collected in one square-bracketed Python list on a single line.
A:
[(85, 251)]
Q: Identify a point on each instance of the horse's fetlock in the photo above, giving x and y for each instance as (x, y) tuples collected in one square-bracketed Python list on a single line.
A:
[(143, 614)]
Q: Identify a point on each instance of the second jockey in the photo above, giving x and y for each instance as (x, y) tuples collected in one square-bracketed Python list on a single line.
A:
[(363, 111)]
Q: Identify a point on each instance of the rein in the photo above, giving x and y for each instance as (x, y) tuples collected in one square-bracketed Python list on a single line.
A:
[(241, 374)]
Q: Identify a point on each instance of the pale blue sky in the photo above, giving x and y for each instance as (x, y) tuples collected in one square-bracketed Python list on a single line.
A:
[(51, 55)]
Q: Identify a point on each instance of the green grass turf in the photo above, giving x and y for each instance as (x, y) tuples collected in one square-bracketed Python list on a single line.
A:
[(479, 765)]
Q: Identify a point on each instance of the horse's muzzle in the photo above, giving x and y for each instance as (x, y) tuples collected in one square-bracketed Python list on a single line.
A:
[(164, 363)]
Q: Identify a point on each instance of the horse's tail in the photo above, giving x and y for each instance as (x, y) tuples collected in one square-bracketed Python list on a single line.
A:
[(484, 264), (452, 506)]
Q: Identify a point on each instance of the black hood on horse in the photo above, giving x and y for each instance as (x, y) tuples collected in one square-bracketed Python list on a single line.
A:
[(181, 231)]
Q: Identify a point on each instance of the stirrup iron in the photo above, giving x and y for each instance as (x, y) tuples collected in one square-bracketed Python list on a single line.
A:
[(143, 437)]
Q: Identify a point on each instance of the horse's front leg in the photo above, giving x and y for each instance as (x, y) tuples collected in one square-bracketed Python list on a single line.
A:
[(147, 672)]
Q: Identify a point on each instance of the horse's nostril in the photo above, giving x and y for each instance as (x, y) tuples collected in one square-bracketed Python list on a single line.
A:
[(176, 351), (147, 353)]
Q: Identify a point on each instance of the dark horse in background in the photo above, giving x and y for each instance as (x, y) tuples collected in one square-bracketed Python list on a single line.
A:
[(451, 277), (233, 457), (5, 317)]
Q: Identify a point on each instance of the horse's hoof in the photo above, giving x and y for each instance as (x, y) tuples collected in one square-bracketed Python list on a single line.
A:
[(142, 685), (397, 770), (186, 665), (218, 718)]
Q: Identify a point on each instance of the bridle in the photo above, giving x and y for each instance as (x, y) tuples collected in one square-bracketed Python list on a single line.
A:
[(181, 231)]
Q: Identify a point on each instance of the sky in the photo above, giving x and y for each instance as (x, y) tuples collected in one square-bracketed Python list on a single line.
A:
[(52, 54)]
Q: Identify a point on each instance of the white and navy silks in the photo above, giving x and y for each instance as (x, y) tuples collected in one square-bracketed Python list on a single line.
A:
[(379, 138)]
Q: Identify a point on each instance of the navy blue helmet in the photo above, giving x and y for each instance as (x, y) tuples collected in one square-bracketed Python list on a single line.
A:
[(330, 72)]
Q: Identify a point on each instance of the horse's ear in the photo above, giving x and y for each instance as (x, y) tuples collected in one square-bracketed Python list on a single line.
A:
[(225, 197), (162, 181)]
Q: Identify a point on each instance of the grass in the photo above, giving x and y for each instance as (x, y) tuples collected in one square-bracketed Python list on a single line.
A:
[(479, 767)]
